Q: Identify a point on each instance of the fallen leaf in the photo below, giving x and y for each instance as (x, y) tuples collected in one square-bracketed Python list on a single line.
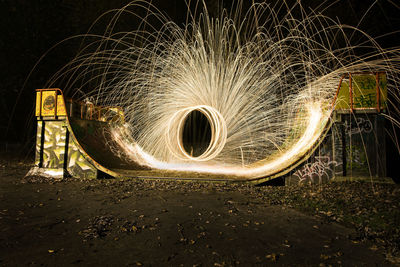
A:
[(374, 248), (272, 257)]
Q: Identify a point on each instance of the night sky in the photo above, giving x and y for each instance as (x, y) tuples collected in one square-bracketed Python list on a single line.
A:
[(30, 28)]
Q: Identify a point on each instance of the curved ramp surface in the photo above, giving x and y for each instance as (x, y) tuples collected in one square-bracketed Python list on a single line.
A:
[(76, 139)]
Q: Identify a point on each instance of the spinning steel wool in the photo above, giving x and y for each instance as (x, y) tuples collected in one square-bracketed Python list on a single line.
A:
[(246, 94)]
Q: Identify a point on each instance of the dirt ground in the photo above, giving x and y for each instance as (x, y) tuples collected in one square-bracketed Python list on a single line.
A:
[(167, 223)]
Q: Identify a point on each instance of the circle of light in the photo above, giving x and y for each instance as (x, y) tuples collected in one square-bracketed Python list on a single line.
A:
[(317, 120), (292, 60), (175, 131)]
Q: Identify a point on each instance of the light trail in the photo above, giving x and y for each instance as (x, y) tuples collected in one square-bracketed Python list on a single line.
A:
[(265, 83), (317, 121), (175, 131)]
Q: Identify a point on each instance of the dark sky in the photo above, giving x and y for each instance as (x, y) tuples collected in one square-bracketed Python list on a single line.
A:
[(30, 27)]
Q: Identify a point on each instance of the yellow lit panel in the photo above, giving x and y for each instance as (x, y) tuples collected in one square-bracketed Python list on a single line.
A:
[(49, 103)]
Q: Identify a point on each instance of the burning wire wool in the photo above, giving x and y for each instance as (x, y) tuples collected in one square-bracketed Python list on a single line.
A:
[(176, 127), (246, 93)]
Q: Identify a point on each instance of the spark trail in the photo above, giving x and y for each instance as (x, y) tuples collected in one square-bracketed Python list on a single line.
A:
[(264, 83)]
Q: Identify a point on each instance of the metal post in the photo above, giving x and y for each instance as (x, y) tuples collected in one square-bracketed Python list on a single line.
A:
[(42, 138), (377, 145), (40, 110), (333, 150), (351, 92), (55, 105), (344, 160), (337, 91), (65, 164), (378, 93)]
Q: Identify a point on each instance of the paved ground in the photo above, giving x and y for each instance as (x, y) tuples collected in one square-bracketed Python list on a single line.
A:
[(150, 223)]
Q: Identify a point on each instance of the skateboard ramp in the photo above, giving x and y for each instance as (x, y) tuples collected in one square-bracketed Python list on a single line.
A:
[(81, 140)]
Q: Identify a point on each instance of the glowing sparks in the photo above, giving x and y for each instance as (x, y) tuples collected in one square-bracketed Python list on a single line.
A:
[(218, 133), (316, 123), (263, 85)]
